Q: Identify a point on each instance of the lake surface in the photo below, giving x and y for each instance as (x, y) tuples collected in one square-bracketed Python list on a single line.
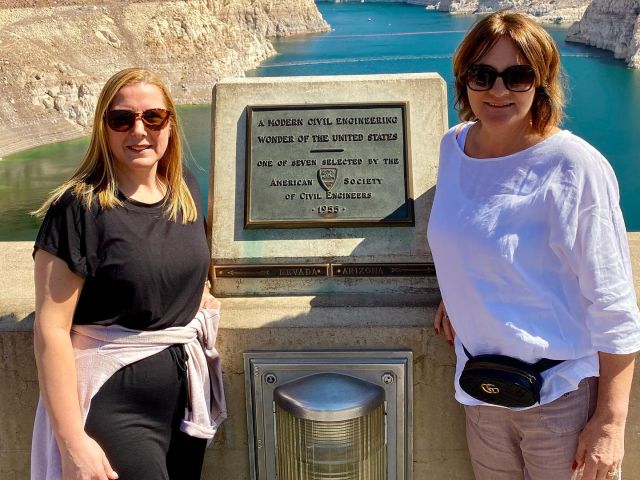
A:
[(367, 38)]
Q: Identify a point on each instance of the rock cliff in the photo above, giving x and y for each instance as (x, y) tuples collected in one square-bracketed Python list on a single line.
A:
[(55, 56), (612, 25)]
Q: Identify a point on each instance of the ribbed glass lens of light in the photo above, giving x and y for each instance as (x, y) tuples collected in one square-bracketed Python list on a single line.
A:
[(343, 450)]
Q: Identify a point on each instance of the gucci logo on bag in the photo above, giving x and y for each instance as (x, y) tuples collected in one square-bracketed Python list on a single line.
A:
[(489, 388)]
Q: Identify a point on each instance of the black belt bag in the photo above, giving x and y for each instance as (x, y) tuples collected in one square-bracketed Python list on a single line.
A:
[(504, 381)]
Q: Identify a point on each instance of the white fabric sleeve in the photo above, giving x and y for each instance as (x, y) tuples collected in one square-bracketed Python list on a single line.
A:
[(594, 243)]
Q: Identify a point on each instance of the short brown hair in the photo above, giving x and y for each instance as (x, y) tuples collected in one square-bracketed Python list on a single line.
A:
[(535, 45)]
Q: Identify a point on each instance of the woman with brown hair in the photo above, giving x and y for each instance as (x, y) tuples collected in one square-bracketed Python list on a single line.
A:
[(533, 264), (121, 261)]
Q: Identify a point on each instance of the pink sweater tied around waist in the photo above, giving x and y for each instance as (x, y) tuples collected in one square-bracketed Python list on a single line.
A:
[(102, 351)]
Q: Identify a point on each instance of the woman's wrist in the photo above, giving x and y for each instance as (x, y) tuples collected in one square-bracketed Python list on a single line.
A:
[(68, 437), (614, 386), (611, 415)]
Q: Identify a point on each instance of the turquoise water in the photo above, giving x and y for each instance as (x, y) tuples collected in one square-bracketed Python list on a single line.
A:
[(604, 105)]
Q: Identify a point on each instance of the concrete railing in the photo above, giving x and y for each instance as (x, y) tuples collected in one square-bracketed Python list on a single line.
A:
[(439, 447)]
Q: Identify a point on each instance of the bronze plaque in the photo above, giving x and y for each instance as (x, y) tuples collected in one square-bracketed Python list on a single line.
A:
[(383, 270), (326, 270), (328, 166), (271, 271)]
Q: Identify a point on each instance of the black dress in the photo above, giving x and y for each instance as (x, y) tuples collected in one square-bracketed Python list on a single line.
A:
[(143, 272)]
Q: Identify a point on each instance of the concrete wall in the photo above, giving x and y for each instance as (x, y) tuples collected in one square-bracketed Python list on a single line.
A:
[(267, 323)]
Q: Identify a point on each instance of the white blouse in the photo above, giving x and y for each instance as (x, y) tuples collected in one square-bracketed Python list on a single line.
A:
[(532, 258)]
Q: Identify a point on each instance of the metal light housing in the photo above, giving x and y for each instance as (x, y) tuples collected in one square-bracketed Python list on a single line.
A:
[(329, 415)]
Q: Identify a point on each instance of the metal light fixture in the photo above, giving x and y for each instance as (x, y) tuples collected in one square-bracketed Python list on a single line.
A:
[(329, 415)]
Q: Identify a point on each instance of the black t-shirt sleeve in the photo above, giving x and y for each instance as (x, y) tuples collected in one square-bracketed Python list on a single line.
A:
[(62, 233)]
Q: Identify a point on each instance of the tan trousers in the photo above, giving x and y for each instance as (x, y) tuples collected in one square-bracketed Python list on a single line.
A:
[(534, 444)]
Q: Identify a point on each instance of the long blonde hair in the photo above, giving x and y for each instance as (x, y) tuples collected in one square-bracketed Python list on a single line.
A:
[(535, 45), (96, 175)]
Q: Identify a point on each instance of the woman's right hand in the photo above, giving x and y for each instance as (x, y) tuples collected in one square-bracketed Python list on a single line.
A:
[(83, 459), (57, 293), (441, 323)]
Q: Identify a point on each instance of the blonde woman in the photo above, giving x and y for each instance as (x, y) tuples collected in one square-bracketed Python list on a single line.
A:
[(533, 264), (122, 250)]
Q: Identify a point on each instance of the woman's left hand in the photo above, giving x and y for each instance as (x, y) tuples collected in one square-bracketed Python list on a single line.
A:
[(601, 443), (208, 301), (600, 449)]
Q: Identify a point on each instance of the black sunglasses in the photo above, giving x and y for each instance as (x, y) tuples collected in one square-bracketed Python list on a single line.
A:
[(124, 120), (517, 78)]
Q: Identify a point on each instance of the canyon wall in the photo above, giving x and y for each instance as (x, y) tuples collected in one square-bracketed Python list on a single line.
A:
[(55, 56), (612, 25)]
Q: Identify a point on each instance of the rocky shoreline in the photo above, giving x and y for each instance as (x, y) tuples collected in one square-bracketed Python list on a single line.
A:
[(54, 59), (612, 25)]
